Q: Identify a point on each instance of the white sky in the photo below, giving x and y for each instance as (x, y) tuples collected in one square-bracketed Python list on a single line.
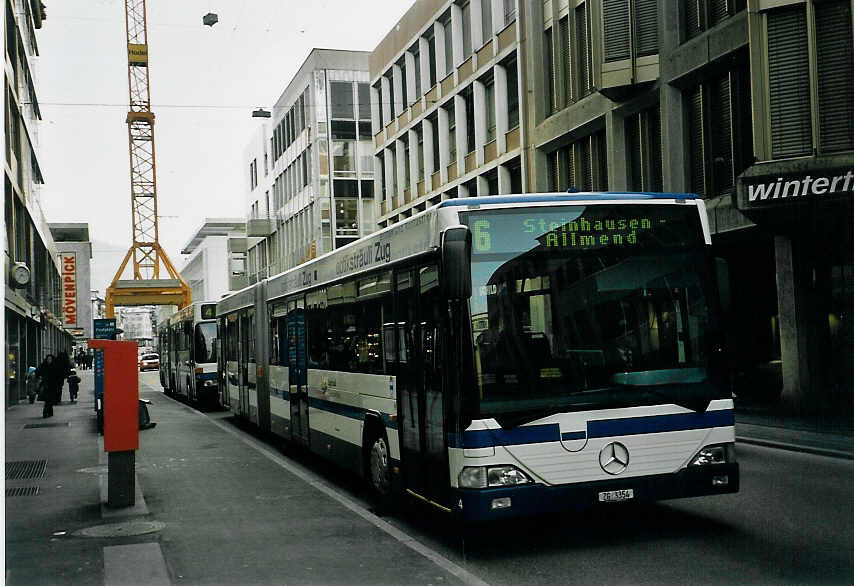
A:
[(216, 75)]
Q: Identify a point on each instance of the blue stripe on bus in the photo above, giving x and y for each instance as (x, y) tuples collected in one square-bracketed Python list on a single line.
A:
[(573, 435), (660, 423), (532, 434), (528, 434), (559, 197), (206, 375), (338, 408)]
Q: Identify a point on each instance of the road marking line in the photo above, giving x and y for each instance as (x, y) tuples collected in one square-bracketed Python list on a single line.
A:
[(309, 478)]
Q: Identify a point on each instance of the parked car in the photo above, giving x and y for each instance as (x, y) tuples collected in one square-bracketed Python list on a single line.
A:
[(150, 361)]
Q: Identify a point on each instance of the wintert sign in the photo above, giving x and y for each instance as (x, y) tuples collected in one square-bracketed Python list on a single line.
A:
[(770, 191)]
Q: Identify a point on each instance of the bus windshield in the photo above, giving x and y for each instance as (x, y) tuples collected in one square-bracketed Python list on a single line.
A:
[(585, 307), (205, 342)]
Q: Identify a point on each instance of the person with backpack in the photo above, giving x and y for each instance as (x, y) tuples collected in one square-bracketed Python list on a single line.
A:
[(73, 384)]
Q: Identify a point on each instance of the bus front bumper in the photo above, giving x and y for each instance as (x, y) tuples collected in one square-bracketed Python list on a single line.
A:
[(493, 503)]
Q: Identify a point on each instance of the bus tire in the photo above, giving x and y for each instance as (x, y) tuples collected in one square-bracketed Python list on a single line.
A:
[(379, 467)]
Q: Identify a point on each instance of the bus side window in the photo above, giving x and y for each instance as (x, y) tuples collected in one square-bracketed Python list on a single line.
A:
[(317, 327), (278, 335)]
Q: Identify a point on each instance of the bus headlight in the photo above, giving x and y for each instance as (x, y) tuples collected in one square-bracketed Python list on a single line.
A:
[(714, 455), (491, 476)]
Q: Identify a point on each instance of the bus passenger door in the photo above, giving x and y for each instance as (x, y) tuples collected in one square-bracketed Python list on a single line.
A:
[(297, 371), (432, 335), (222, 361), (242, 365), (408, 399)]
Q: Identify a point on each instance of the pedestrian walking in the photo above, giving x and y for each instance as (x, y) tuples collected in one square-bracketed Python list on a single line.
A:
[(46, 373), (63, 369), (73, 385), (32, 384)]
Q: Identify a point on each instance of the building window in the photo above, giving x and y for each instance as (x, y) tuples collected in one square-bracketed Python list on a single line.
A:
[(449, 45), (406, 171), (793, 70), (466, 18), (620, 29), (468, 96), (434, 122), (509, 11), (564, 61), (431, 52), (489, 93), (364, 94), (383, 191), (419, 131), (512, 94), (643, 138), (253, 174), (346, 217), (581, 165), (717, 153), (416, 54), (486, 19), (405, 90), (452, 131), (583, 51), (548, 58), (366, 156), (834, 59), (342, 100), (701, 15), (343, 147)]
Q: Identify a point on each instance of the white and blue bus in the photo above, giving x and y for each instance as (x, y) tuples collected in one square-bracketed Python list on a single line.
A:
[(187, 344), (499, 356)]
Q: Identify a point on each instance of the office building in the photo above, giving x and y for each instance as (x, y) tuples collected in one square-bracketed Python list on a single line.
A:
[(33, 322), (310, 170), (445, 105)]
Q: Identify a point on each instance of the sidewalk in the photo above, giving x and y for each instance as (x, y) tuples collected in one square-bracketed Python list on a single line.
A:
[(216, 507), (822, 435)]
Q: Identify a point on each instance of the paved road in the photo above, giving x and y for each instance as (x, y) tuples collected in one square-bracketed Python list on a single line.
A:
[(791, 523)]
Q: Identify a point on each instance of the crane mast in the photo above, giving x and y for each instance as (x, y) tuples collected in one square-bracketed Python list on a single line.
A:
[(146, 286)]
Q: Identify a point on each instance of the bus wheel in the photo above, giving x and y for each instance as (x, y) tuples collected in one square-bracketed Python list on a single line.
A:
[(380, 467)]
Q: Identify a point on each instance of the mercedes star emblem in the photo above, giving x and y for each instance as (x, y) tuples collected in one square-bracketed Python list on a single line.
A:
[(614, 458)]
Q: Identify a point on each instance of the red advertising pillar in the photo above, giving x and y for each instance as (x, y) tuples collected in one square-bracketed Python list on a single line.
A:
[(121, 418)]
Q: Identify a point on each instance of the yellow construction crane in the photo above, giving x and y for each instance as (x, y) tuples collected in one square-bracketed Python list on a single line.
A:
[(146, 287)]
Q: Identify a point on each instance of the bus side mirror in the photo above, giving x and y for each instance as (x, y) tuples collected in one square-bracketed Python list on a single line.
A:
[(456, 262), (722, 274)]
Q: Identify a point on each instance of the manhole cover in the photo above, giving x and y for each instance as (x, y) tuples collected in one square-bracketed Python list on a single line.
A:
[(22, 491), (121, 529), (38, 425), (21, 469)]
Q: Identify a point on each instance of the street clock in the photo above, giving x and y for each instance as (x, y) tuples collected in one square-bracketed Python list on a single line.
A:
[(20, 274)]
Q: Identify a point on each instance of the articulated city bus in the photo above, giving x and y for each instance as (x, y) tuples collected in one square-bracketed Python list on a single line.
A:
[(498, 356), (187, 343)]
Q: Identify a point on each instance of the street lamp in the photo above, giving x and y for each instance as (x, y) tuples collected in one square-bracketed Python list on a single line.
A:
[(261, 113)]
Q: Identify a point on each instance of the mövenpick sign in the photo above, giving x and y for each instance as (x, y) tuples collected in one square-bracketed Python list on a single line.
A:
[(68, 261)]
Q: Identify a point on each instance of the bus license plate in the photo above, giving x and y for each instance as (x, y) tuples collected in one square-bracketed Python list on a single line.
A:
[(613, 496)]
